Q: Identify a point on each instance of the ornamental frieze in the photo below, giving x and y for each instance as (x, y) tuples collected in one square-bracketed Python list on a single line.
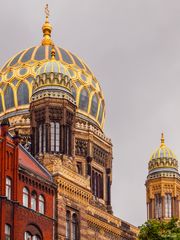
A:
[(81, 147)]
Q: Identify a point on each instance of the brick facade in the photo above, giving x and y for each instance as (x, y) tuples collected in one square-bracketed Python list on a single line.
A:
[(23, 219)]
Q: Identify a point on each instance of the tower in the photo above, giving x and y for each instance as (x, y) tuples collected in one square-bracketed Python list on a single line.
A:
[(52, 110), (163, 184)]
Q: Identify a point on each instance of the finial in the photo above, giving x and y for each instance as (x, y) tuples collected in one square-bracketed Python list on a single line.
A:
[(47, 28), (162, 140), (53, 52), (47, 11)]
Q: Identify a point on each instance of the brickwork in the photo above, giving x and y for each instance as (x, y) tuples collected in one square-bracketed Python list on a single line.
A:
[(12, 212)]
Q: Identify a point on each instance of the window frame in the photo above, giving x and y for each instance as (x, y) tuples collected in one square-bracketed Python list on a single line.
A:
[(25, 197), (7, 234), (34, 198), (41, 201), (8, 188)]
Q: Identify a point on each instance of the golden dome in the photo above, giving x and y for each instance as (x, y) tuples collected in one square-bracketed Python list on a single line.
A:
[(17, 75), (163, 158), (52, 76)]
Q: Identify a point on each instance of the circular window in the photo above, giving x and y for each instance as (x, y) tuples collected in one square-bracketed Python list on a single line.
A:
[(23, 71)]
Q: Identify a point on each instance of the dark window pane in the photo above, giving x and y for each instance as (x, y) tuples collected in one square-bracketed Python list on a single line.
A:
[(73, 92), (23, 71), (94, 105), (30, 79), (9, 75), (5, 66), (9, 98), (15, 81), (27, 55), (100, 113), (23, 94), (40, 53), (1, 106), (84, 99), (65, 56), (77, 61), (15, 60)]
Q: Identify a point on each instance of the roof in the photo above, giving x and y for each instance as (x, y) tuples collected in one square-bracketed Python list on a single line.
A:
[(32, 164)]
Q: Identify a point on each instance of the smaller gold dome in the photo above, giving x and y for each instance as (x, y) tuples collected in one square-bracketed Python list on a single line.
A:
[(52, 75), (163, 158)]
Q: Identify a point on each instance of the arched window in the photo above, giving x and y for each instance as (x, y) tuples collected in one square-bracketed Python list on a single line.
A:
[(25, 197), (35, 237), (168, 205), (73, 92), (158, 206), (101, 113), (9, 97), (1, 106), (40, 138), (7, 232), (23, 94), (55, 137), (41, 204), (8, 188), (68, 140), (84, 100), (94, 105), (27, 236), (74, 227), (33, 201), (68, 225)]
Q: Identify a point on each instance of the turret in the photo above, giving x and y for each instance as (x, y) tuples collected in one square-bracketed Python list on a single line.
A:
[(52, 110), (163, 184)]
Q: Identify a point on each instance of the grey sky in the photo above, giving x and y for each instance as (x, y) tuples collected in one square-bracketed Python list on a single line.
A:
[(133, 48)]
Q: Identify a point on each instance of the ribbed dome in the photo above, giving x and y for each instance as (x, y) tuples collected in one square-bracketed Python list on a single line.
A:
[(163, 159), (53, 66), (18, 74)]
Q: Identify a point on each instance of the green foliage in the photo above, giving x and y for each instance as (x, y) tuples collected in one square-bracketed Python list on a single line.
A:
[(160, 230)]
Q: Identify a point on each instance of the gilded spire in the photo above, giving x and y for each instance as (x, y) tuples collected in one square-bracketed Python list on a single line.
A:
[(47, 28), (162, 140), (53, 52)]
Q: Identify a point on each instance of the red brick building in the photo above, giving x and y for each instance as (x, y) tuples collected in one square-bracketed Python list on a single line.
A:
[(27, 192)]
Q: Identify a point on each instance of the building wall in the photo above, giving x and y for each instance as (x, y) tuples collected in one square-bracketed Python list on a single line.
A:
[(13, 213)]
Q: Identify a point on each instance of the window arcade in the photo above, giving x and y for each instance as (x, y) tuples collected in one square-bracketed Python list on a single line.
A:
[(72, 225), (168, 205), (97, 183), (158, 206)]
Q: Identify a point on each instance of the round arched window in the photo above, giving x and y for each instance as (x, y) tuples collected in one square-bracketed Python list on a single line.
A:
[(84, 100), (1, 106), (41, 204), (94, 105), (101, 113), (73, 92), (25, 197), (33, 201), (23, 94), (9, 97)]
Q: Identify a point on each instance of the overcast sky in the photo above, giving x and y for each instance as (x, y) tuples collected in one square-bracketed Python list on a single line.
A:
[(133, 48)]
